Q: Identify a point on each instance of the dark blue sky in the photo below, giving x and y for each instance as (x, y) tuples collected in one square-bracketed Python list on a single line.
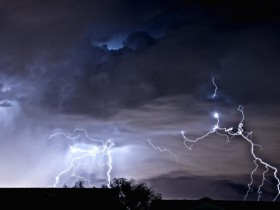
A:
[(138, 70)]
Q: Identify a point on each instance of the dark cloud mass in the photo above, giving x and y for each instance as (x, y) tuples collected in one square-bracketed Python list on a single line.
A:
[(138, 70), (53, 42)]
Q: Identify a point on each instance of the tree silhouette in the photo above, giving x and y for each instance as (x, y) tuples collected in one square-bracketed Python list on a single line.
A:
[(78, 184), (134, 195)]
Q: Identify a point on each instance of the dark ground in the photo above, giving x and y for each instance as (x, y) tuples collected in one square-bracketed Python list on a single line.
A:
[(97, 198)]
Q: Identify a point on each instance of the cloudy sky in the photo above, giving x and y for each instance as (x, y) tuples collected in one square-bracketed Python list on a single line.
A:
[(133, 71)]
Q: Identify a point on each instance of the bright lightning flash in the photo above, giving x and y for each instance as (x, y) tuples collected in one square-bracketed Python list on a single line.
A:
[(81, 153), (247, 136)]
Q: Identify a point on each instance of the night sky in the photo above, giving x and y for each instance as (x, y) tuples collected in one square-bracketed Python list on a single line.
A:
[(131, 70)]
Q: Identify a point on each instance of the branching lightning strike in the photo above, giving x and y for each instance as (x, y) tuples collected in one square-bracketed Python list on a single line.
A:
[(91, 151), (228, 133)]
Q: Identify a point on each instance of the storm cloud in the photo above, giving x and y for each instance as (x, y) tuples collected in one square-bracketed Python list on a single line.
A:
[(137, 70)]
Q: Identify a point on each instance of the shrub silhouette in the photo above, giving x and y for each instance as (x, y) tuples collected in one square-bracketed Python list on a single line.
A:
[(134, 195)]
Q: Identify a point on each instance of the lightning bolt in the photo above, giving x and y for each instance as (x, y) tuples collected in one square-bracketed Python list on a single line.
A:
[(80, 153), (247, 136), (164, 150), (216, 88)]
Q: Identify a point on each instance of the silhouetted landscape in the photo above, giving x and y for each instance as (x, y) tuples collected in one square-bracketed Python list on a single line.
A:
[(108, 199), (124, 194)]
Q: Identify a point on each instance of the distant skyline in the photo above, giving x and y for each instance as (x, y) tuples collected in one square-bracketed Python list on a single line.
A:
[(134, 72)]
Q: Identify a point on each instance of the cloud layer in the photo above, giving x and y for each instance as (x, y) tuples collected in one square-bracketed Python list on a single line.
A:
[(133, 72)]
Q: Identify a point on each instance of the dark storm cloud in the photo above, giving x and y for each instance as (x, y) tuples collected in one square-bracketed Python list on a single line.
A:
[(138, 70), (30, 27), (52, 43), (49, 44), (5, 104), (197, 187)]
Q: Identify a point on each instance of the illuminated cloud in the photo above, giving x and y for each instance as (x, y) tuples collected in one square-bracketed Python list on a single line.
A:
[(137, 71)]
